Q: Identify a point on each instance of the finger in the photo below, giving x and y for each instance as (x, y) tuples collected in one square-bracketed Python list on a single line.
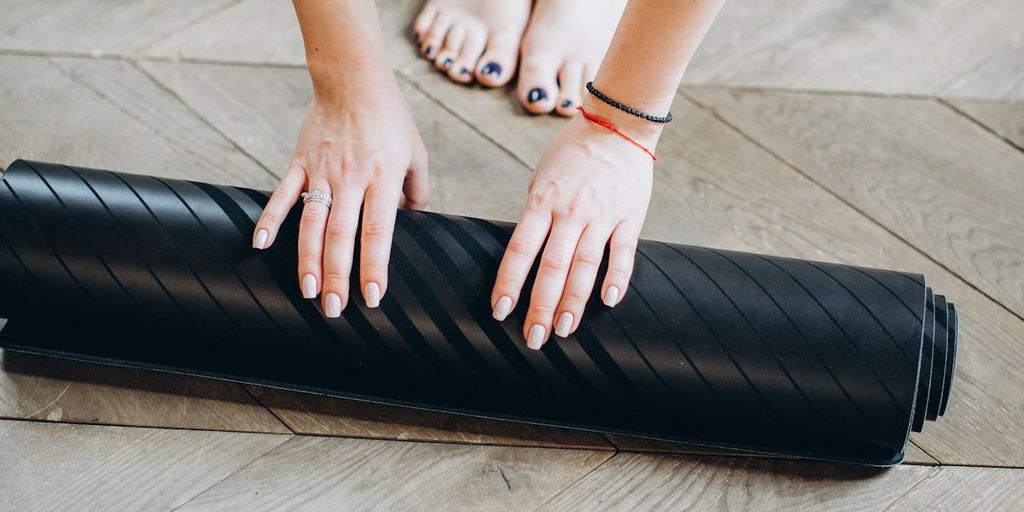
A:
[(621, 253), (417, 183), (278, 206), (340, 238), (522, 249), (550, 281), (375, 240), (311, 240), (582, 275)]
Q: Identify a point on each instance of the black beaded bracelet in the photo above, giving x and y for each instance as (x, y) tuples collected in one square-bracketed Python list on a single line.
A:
[(625, 108)]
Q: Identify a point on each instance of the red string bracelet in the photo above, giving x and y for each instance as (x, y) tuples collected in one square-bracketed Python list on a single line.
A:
[(600, 121)]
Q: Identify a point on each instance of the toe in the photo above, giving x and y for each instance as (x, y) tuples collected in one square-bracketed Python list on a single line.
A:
[(423, 21), (537, 89), (466, 61), (433, 39), (451, 48), (570, 81), (498, 63)]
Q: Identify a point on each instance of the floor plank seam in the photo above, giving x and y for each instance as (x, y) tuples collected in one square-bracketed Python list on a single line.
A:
[(919, 447), (465, 121), (926, 476), (271, 411), (141, 49), (576, 481), (157, 427), (979, 123), (202, 118), (233, 473), (844, 201)]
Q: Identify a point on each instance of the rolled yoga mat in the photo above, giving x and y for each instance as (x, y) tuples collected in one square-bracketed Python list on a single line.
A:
[(713, 347)]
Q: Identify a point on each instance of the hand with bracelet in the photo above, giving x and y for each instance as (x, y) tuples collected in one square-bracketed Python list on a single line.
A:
[(592, 185)]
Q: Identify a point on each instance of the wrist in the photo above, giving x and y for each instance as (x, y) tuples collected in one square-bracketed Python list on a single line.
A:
[(643, 131), (334, 83)]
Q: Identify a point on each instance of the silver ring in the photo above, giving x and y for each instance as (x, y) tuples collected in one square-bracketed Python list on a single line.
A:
[(317, 196)]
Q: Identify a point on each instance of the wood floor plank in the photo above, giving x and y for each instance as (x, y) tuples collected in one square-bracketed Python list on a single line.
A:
[(715, 188), (956, 47), (964, 488), (914, 454), (675, 482), (45, 388), (1005, 119), (95, 27), (108, 114), (80, 467), (308, 473), (326, 416), (266, 32), (934, 178)]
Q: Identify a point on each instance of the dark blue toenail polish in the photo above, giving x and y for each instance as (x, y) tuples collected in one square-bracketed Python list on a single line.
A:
[(536, 94), (464, 71), (430, 51), (566, 103), (447, 63), (491, 69)]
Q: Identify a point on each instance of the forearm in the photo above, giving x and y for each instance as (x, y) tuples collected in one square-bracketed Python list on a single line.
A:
[(343, 40), (653, 44)]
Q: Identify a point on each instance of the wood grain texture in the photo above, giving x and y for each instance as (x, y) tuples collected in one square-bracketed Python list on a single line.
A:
[(665, 482), (940, 182), (266, 32), (914, 454), (309, 473), (108, 114), (326, 416), (94, 27), (926, 47), (78, 467), (713, 187), (1005, 119), (963, 488), (44, 388), (261, 110)]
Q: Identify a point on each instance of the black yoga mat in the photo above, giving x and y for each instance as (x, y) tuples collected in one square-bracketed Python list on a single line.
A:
[(714, 347)]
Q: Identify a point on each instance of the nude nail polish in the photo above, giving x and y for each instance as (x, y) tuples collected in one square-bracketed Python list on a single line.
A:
[(261, 239), (611, 296), (564, 324), (535, 338), (502, 308), (332, 305), (308, 286), (372, 295)]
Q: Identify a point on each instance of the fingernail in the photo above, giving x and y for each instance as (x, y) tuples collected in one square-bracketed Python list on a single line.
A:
[(333, 305), (502, 308), (566, 103), (611, 296), (536, 94), (564, 324), (447, 63), (261, 239), (372, 295), (491, 69), (535, 338), (308, 286)]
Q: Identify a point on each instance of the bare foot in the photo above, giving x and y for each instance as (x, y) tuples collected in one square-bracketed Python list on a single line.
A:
[(564, 45), (473, 38)]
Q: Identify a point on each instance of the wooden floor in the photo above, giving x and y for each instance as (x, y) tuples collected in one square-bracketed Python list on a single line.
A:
[(877, 133)]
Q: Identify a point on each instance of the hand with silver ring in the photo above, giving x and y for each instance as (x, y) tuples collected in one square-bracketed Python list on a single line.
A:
[(358, 148)]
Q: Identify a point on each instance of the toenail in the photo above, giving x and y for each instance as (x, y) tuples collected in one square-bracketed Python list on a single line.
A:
[(492, 69), (430, 51), (416, 36), (536, 94), (448, 63), (464, 71), (566, 103)]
